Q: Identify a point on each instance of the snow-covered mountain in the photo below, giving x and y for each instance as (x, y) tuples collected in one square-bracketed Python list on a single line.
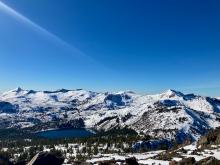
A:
[(167, 115)]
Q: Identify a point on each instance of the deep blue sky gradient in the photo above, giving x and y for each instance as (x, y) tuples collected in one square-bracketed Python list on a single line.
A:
[(145, 46)]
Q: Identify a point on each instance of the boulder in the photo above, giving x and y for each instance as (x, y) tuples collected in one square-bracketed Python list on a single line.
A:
[(173, 162), (131, 161), (44, 158), (184, 161), (107, 162)]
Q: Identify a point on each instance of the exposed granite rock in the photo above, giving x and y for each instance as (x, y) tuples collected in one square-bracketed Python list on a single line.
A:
[(43, 158)]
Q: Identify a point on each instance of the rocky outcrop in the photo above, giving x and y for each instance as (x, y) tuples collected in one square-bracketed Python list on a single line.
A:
[(44, 158), (131, 161), (107, 162), (192, 161), (209, 161), (185, 161), (212, 138)]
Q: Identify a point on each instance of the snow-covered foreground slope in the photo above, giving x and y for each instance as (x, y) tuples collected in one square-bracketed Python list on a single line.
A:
[(167, 115), (159, 158)]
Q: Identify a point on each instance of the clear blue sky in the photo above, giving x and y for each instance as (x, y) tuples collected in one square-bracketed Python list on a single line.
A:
[(145, 46)]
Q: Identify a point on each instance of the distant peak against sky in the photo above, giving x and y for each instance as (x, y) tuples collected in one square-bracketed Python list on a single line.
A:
[(145, 46)]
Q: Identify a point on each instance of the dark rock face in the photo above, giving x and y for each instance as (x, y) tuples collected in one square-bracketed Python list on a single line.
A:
[(131, 161), (6, 107), (212, 138), (215, 103), (169, 103), (117, 100), (76, 123), (46, 159)]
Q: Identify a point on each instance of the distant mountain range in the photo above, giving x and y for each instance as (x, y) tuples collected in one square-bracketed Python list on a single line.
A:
[(169, 115)]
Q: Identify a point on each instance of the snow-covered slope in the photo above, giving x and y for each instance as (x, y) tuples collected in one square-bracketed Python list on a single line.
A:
[(167, 115)]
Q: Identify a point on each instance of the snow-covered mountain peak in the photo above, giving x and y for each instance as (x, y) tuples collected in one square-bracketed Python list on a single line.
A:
[(14, 93), (170, 93), (125, 92), (18, 89), (162, 115)]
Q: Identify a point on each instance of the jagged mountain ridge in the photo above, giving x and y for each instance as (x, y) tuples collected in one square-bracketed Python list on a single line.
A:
[(169, 115)]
